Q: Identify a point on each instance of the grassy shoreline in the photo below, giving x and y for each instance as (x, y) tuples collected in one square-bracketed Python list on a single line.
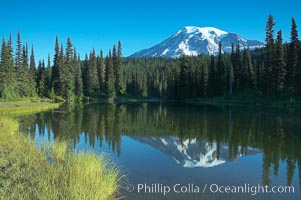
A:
[(25, 107), (52, 171)]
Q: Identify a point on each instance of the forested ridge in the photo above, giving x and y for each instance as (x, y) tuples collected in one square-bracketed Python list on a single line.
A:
[(273, 71)]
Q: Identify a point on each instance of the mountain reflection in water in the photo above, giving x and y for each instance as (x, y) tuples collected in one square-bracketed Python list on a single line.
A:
[(190, 136)]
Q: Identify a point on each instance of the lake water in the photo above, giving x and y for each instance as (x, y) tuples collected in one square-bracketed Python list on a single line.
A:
[(188, 152)]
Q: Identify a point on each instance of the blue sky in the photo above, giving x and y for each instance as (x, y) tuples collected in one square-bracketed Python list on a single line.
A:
[(138, 24)]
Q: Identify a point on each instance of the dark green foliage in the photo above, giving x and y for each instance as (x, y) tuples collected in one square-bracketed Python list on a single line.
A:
[(100, 71), (55, 76), (279, 64), (109, 76), (184, 78), (32, 74), (247, 76), (8, 84), (220, 73), (91, 75), (116, 59), (292, 59), (78, 82), (48, 82), (21, 68), (68, 71), (41, 79), (268, 71), (212, 78), (269, 54)]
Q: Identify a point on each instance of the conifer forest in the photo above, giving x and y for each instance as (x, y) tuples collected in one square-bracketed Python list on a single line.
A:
[(272, 71)]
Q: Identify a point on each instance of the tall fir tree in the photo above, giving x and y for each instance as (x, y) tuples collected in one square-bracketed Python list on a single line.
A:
[(183, 78), (3, 67), (120, 84), (237, 67), (117, 59), (6, 73), (78, 83), (68, 72), (220, 72), (32, 73), (292, 59), (40, 79), (269, 51), (13, 87), (19, 66), (61, 79), (109, 76), (247, 73), (92, 75), (47, 77), (100, 71), (8, 83), (279, 63), (212, 78), (25, 72), (233, 64), (55, 76)]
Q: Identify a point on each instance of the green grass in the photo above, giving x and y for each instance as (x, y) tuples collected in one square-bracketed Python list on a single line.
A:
[(25, 107), (52, 171)]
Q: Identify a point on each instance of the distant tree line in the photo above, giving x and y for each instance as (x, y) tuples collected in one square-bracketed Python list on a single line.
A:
[(68, 78), (270, 71)]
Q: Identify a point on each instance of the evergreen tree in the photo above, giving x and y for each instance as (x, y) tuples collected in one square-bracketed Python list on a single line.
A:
[(92, 75), (78, 83), (247, 72), (292, 59), (237, 67), (279, 63), (212, 78), (25, 72), (3, 67), (109, 76), (233, 64), (120, 84), (55, 76), (269, 50), (19, 66), (61, 79), (68, 72), (8, 84), (40, 80), (85, 72), (47, 77), (100, 71), (201, 77), (220, 72), (183, 79), (117, 58), (32, 73)]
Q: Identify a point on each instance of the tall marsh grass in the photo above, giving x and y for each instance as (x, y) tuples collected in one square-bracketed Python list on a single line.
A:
[(52, 171), (25, 107)]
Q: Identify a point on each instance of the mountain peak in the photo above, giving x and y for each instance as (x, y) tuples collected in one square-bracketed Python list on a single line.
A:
[(204, 30), (193, 40)]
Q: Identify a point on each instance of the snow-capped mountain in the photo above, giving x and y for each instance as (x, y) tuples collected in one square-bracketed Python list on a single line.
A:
[(191, 153), (192, 40)]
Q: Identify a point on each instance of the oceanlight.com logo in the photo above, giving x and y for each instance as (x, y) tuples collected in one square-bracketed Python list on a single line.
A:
[(161, 189)]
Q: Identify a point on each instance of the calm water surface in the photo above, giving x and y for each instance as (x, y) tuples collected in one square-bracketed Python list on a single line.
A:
[(159, 146)]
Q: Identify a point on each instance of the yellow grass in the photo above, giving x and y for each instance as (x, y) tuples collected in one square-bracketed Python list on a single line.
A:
[(51, 172)]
